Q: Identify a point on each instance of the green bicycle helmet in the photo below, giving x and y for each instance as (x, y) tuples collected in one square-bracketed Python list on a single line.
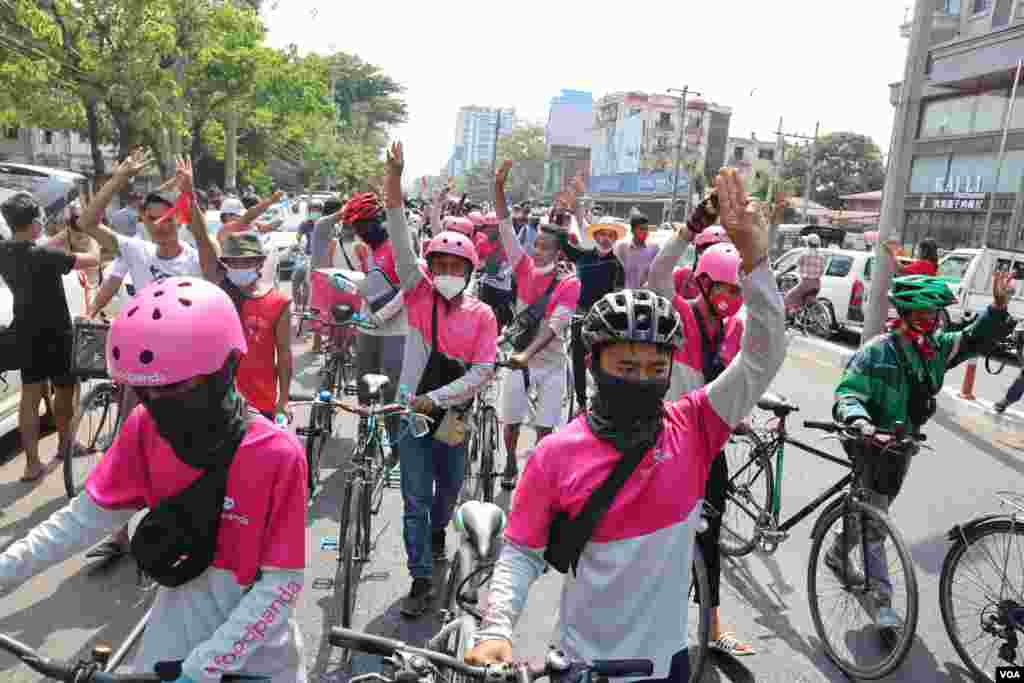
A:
[(919, 292)]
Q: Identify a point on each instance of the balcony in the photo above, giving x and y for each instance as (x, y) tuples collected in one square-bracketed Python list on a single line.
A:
[(945, 27)]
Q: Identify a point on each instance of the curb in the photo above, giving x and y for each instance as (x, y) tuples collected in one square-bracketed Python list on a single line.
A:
[(837, 356)]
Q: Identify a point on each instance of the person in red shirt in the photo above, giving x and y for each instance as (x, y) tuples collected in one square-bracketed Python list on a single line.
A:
[(926, 263)]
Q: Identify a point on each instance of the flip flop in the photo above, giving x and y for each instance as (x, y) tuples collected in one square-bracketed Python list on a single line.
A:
[(27, 479), (728, 644)]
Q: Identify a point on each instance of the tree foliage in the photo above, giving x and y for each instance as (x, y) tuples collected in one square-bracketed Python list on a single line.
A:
[(525, 147), (844, 163)]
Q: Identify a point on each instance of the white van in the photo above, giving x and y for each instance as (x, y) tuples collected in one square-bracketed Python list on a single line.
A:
[(969, 275)]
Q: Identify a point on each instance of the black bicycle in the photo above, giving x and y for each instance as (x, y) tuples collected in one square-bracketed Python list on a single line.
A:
[(338, 372), (483, 446), (980, 594), (752, 519), (95, 669), (415, 665)]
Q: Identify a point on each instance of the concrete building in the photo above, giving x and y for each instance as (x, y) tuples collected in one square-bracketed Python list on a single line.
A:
[(62, 149), (972, 57), (863, 201), (753, 159), (633, 149), (567, 137), (476, 131)]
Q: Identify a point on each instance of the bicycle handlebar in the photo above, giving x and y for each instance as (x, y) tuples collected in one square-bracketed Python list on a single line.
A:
[(385, 410), (847, 430), (354, 321), (86, 672), (555, 664)]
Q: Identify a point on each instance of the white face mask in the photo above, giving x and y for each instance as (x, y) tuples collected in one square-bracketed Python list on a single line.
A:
[(449, 286), (544, 270), (243, 278)]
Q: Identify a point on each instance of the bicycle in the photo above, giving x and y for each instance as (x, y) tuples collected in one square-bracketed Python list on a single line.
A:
[(416, 665), (478, 526), (754, 494), (998, 606), (364, 483), (320, 425), (484, 442), (339, 368), (97, 669)]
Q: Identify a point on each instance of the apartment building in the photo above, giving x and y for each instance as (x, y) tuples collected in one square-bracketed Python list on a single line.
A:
[(973, 50), (476, 133), (64, 149), (753, 159)]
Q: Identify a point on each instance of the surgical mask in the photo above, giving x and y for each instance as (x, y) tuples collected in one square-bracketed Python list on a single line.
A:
[(242, 277), (725, 305), (449, 286)]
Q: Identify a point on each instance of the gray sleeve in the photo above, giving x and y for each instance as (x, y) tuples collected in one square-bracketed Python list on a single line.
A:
[(510, 242), (78, 525), (464, 388), (660, 276), (762, 350), (516, 570), (406, 262)]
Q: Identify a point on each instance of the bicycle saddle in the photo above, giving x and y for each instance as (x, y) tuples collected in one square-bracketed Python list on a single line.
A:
[(480, 524), (342, 313), (371, 386), (776, 404)]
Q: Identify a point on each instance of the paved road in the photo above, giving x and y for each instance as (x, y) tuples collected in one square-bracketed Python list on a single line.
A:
[(68, 608)]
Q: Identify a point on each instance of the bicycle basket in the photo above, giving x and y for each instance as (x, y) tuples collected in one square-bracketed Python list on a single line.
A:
[(89, 350)]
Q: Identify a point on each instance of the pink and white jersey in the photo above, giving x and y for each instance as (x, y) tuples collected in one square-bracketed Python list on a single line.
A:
[(629, 596), (467, 329), (688, 362), (531, 286), (235, 616)]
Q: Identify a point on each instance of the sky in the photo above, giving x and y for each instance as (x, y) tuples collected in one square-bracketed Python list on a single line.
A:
[(803, 60)]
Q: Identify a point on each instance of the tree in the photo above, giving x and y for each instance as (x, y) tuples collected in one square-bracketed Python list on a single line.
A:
[(525, 147), (368, 101), (844, 163)]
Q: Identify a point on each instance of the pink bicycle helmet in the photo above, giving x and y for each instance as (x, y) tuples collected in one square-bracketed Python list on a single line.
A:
[(174, 330), (458, 224), (454, 243), (715, 234), (476, 218), (491, 219), (721, 263)]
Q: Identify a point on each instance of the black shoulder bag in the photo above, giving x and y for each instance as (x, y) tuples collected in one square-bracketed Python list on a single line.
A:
[(922, 404), (567, 537), (711, 359), (177, 540), (526, 324)]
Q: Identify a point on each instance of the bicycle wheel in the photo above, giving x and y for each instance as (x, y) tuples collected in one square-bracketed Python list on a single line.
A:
[(698, 623), (452, 583), (488, 451), (315, 440), (93, 427), (818, 319), (980, 593), (471, 479), (883, 651), (748, 494), (349, 541)]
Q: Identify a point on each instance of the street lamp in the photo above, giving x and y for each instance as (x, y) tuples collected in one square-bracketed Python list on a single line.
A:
[(679, 143)]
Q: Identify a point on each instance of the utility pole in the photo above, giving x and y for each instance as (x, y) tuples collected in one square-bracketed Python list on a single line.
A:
[(494, 157), (780, 151), (908, 111), (679, 145), (810, 172)]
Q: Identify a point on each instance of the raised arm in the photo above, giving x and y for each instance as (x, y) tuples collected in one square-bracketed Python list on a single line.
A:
[(209, 254), (660, 276), (763, 349), (90, 221), (506, 230), (406, 262)]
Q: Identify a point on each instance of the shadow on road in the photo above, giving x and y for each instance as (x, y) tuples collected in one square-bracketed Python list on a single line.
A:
[(946, 421), (929, 553)]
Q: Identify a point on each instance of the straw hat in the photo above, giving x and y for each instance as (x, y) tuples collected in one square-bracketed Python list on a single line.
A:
[(612, 223)]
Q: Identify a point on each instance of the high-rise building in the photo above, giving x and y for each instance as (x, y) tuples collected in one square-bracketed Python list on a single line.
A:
[(953, 138), (633, 148), (476, 132), (567, 139)]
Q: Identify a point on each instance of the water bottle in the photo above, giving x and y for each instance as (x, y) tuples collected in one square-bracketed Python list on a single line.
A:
[(324, 396), (403, 395)]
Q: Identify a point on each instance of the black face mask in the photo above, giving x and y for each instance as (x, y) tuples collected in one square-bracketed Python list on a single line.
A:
[(374, 235), (197, 422), (627, 413)]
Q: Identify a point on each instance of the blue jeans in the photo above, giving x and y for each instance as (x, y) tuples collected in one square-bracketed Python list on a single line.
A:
[(1016, 390), (423, 462)]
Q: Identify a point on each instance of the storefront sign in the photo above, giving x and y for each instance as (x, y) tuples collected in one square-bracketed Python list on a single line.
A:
[(961, 201)]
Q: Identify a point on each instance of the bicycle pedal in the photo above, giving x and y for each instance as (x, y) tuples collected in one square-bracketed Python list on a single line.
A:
[(329, 544)]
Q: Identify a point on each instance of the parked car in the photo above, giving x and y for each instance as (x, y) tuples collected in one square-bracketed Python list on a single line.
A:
[(962, 266), (845, 284)]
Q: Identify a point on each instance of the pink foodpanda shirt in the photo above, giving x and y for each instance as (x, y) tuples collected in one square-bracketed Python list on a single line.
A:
[(237, 616)]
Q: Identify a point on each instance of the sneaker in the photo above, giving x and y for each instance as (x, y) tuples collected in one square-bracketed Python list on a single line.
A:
[(437, 546), (511, 474), (835, 563), (415, 604), (999, 407)]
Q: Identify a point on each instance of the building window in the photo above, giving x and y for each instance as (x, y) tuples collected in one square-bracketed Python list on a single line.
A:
[(695, 121), (967, 173), (982, 6), (951, 7), (11, 133), (766, 154), (665, 120), (48, 137), (984, 113), (737, 153)]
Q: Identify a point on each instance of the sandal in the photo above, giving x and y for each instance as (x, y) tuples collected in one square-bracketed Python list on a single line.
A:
[(731, 646)]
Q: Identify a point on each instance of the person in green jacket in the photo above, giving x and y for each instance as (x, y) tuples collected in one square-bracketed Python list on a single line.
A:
[(894, 379)]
